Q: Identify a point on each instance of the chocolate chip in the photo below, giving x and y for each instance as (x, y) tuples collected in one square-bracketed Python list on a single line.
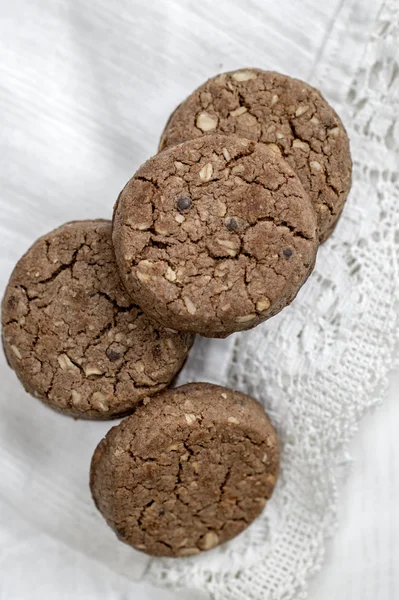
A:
[(183, 203), (231, 223), (288, 252), (12, 302), (157, 352), (112, 355)]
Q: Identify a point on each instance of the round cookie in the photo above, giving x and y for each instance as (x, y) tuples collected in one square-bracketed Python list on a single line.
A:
[(73, 336), (275, 109), (214, 235), (187, 472)]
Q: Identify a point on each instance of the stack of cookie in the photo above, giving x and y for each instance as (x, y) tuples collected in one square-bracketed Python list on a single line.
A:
[(213, 235)]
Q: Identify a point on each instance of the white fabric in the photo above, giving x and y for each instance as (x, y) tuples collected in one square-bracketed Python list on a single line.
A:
[(362, 557), (85, 88)]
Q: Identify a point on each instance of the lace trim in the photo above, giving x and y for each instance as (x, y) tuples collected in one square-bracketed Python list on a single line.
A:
[(317, 366)]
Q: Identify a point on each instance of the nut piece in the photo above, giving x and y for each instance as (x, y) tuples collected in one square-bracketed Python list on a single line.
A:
[(160, 230), (190, 418), (220, 208), (210, 540), (299, 144), (334, 131), (16, 352), (206, 122), (233, 420), (315, 166), (99, 401), (144, 263), (170, 344), (191, 308), (245, 318), (238, 111), (65, 363), (301, 110), (92, 371), (188, 551), (206, 172), (178, 165), (274, 148), (263, 304), (180, 218), (265, 457), (226, 154), (220, 269), (261, 502), (227, 243), (170, 274), (143, 276), (230, 246), (76, 397), (140, 367), (275, 99), (244, 75)]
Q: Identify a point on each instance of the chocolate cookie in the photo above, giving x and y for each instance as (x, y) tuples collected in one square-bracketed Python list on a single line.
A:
[(188, 471), (214, 235), (74, 337), (275, 109)]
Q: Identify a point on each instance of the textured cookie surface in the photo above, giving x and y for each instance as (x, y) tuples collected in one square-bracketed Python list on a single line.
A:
[(72, 334), (188, 471), (214, 235), (275, 109)]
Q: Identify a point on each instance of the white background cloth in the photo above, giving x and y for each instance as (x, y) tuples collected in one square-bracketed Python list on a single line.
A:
[(85, 89)]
